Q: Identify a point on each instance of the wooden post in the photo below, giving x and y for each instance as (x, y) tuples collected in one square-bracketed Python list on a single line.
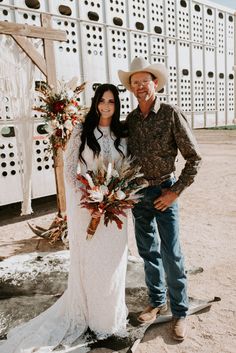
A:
[(59, 179), (58, 154)]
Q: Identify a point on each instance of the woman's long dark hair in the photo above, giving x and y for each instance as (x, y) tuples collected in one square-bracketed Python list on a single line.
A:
[(92, 121)]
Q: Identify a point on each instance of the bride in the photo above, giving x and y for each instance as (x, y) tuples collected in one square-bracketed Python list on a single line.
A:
[(95, 297)]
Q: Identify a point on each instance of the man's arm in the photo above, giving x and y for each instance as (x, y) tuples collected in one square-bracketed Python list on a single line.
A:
[(189, 149)]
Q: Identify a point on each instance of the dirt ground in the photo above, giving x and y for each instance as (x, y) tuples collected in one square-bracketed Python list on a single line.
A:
[(208, 233)]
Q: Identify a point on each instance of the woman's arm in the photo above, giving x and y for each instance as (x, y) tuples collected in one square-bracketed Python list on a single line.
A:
[(71, 157)]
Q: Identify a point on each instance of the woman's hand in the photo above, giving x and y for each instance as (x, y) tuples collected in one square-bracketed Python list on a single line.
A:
[(165, 200)]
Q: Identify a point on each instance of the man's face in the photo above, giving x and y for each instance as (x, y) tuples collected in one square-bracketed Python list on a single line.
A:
[(143, 86)]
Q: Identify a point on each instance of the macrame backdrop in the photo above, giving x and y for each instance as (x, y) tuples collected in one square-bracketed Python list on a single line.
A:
[(17, 85)]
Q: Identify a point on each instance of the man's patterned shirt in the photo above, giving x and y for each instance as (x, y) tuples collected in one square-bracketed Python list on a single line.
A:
[(155, 141)]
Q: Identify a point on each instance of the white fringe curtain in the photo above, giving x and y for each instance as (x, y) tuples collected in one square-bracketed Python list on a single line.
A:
[(17, 84)]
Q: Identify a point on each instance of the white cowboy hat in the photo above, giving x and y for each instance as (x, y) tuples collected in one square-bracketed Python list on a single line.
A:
[(139, 64)]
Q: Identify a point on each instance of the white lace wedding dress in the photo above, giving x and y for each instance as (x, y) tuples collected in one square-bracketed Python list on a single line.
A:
[(95, 296)]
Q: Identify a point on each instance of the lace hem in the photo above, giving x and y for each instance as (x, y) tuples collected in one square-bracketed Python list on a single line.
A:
[(72, 338)]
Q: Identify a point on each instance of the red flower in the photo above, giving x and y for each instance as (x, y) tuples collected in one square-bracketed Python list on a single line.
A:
[(59, 132), (57, 107)]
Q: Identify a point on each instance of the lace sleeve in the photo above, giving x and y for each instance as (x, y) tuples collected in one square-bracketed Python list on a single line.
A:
[(71, 157)]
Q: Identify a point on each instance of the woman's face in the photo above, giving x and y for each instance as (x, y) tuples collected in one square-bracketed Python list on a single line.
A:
[(106, 108)]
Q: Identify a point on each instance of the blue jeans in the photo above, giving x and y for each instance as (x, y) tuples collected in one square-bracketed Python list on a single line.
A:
[(157, 236)]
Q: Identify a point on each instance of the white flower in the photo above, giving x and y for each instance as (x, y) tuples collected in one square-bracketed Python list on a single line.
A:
[(54, 123), (96, 195), (71, 109), (120, 195), (104, 189), (68, 125)]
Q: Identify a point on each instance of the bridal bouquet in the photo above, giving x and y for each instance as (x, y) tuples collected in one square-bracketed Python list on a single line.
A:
[(61, 111), (110, 191)]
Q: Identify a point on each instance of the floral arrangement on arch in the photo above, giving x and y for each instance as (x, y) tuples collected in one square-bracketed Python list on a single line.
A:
[(61, 110), (110, 191), (56, 232)]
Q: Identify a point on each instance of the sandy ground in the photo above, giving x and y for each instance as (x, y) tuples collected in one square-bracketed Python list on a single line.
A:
[(208, 233)]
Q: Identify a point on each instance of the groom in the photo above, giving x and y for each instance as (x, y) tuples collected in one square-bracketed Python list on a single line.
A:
[(156, 132)]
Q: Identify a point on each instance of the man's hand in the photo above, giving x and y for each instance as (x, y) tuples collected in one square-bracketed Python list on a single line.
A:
[(165, 200)]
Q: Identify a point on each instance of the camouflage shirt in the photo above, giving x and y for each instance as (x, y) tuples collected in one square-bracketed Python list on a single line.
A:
[(155, 141)]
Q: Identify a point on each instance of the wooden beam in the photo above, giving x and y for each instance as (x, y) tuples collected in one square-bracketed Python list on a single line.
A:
[(32, 31), (32, 53), (49, 51), (52, 81)]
